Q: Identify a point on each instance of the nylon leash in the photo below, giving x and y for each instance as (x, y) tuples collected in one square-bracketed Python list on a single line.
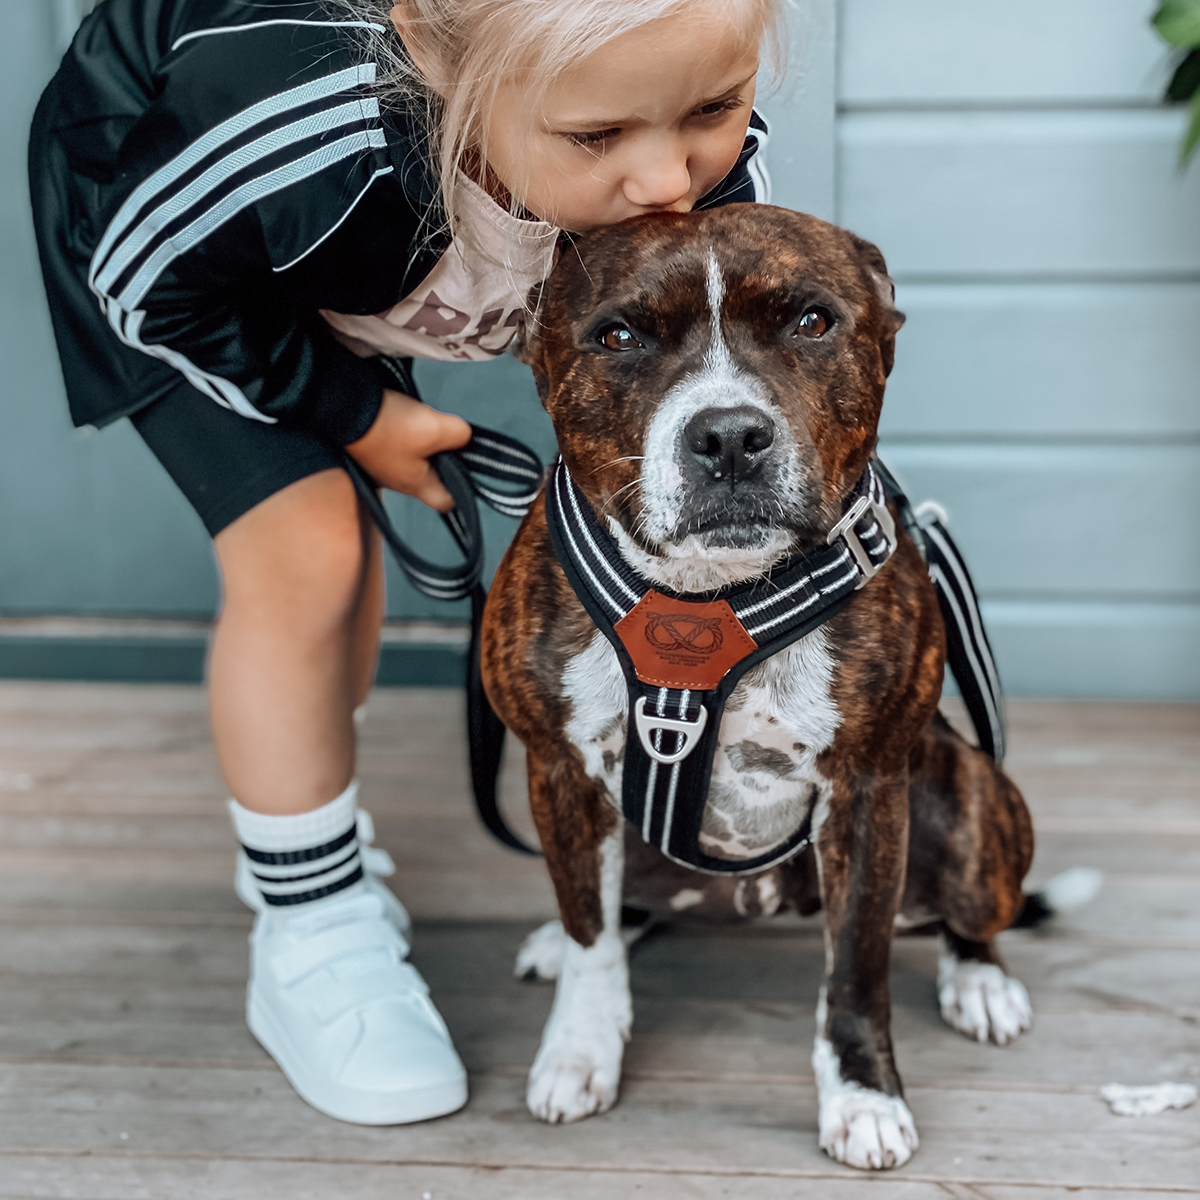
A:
[(506, 475)]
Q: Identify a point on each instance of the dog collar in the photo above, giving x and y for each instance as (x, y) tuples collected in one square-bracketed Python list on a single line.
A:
[(683, 654)]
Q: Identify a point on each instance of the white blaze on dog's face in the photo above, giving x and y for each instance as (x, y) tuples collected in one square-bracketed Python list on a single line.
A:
[(715, 424), (720, 391)]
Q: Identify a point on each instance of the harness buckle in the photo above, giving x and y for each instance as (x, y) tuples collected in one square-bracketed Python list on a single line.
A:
[(845, 529), (646, 723)]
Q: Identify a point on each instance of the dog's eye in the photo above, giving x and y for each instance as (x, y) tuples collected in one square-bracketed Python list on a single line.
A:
[(617, 337), (815, 322)]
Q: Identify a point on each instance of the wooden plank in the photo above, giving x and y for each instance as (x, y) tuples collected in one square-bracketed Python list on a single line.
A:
[(951, 52), (1131, 909), (1122, 794), (801, 112), (1026, 516), (1156, 737), (1015, 194), (732, 1128), (123, 1015), (1042, 360), (119, 1176), (1049, 648), (730, 1005)]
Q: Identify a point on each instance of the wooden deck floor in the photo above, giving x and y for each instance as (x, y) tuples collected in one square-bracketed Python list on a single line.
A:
[(126, 1070)]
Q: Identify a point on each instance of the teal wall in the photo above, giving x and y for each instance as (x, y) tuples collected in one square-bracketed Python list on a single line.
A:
[(1014, 166), (1017, 169)]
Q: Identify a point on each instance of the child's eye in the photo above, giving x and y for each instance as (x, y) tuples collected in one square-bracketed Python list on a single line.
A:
[(720, 106), (595, 138)]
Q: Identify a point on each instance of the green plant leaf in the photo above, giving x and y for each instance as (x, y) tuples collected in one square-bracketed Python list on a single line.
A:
[(1178, 21), (1192, 137), (1186, 80)]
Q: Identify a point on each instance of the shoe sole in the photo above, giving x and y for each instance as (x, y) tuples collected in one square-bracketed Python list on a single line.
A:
[(349, 1104)]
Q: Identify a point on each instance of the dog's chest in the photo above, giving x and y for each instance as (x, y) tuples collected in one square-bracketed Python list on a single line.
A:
[(765, 780)]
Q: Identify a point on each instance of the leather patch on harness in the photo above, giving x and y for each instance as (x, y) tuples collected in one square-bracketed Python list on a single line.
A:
[(682, 643)]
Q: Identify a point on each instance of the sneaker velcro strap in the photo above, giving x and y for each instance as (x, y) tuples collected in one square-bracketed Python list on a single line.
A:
[(326, 947), (401, 981)]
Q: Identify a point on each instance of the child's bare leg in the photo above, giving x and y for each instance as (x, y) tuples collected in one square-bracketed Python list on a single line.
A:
[(295, 646), (330, 995)]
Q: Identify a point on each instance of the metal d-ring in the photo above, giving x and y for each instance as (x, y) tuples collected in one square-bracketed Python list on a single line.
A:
[(690, 731)]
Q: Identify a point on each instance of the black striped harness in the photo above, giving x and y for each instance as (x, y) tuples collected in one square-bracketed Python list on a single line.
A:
[(682, 655)]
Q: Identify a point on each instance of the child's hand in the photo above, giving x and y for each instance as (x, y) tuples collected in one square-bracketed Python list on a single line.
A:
[(395, 451)]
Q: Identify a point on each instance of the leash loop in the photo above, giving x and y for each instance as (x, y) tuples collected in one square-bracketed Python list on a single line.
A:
[(488, 453)]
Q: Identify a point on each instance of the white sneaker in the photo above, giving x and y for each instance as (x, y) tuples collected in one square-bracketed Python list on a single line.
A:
[(350, 1023)]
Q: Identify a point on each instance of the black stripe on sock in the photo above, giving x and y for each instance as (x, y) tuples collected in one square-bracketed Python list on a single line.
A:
[(309, 875), (316, 893), (291, 858)]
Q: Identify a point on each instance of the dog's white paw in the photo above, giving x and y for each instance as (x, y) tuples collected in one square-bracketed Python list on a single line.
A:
[(981, 1002), (867, 1129), (858, 1126), (577, 1071), (541, 953), (575, 1079)]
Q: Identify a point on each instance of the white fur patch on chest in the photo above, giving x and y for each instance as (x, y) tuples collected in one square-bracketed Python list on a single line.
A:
[(780, 718)]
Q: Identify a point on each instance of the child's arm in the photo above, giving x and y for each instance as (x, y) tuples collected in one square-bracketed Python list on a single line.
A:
[(253, 190)]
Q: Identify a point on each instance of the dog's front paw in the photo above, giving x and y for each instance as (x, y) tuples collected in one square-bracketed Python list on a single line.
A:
[(578, 1068), (570, 1081), (866, 1129), (541, 953), (983, 1003)]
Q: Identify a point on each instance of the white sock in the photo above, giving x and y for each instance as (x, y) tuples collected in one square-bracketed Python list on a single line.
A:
[(298, 859)]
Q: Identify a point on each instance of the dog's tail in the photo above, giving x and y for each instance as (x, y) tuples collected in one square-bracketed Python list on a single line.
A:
[(1065, 893)]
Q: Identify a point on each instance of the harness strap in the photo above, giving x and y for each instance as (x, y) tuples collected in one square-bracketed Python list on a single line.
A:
[(682, 655), (968, 651)]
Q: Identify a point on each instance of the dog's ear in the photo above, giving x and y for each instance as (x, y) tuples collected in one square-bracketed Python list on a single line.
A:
[(877, 273), (527, 344)]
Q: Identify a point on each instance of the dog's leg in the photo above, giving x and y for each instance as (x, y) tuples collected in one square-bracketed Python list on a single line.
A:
[(578, 1068), (861, 847), (976, 996), (971, 844), (540, 955)]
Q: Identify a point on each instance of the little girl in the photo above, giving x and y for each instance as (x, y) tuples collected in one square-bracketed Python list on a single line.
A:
[(241, 205)]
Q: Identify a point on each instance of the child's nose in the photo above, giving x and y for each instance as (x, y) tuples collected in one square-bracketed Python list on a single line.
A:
[(660, 180)]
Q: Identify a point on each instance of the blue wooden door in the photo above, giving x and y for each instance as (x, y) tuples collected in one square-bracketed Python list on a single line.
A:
[(1015, 168)]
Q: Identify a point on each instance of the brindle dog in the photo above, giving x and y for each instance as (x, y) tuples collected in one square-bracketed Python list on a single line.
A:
[(778, 331)]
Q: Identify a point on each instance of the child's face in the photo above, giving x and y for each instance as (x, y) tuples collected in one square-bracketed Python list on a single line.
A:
[(652, 121)]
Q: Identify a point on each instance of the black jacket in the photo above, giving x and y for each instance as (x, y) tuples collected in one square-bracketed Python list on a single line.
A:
[(208, 174)]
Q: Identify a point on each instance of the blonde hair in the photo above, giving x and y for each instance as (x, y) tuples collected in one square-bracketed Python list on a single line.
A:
[(478, 46)]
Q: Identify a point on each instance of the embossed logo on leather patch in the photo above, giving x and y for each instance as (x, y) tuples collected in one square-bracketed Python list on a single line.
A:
[(684, 633), (682, 643)]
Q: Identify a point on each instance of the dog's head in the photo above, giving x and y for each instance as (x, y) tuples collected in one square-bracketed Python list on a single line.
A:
[(715, 380)]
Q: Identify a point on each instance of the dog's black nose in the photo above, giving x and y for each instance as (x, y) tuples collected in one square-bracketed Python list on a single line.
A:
[(729, 443)]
